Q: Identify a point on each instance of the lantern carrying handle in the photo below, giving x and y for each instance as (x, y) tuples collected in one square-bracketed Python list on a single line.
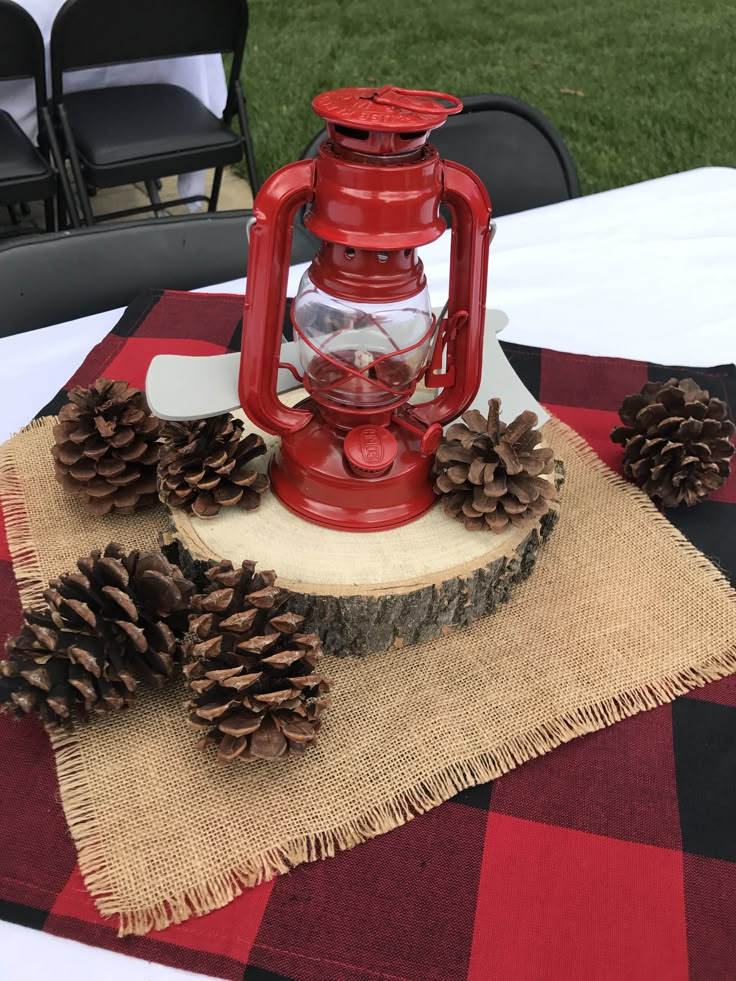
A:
[(414, 100), (461, 333), (265, 297)]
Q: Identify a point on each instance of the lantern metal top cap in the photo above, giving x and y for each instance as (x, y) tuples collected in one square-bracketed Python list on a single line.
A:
[(386, 110)]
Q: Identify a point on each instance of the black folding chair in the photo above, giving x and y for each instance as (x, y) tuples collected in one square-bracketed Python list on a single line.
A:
[(514, 149), (25, 171), (50, 279), (121, 135)]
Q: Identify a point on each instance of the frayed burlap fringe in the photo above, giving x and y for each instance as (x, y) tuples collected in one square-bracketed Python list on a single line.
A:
[(26, 566), (79, 773), (434, 790)]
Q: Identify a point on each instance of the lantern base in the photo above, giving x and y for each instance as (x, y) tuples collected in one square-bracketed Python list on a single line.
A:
[(311, 476)]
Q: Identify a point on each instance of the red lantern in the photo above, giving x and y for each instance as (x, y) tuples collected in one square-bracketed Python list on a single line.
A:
[(356, 454)]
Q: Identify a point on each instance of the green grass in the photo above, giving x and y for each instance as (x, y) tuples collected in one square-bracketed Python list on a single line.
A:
[(658, 77)]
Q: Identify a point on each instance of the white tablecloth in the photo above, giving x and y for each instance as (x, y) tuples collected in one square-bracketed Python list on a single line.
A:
[(202, 75), (646, 272)]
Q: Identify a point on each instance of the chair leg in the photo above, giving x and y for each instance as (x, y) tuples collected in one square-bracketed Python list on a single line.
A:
[(50, 214), (66, 205), (250, 157), (13, 214), (61, 210), (215, 192), (89, 218), (152, 187), (65, 197)]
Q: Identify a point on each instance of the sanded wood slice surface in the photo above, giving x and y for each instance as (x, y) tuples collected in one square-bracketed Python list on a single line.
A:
[(370, 591)]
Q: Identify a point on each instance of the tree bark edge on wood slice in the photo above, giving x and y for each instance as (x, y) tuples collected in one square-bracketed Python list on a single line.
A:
[(357, 620)]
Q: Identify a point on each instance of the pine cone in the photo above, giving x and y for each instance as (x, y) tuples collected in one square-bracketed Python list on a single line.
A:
[(106, 447), (677, 441), (257, 695), (489, 473), (204, 466), (117, 620)]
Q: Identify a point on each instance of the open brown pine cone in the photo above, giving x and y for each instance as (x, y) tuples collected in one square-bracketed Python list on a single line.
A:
[(119, 619), (257, 694), (489, 474), (676, 440), (106, 447), (205, 466)]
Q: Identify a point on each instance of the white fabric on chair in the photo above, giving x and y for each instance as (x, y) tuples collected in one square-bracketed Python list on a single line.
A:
[(202, 75)]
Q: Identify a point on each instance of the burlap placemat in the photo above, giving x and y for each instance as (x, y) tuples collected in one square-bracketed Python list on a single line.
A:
[(620, 615)]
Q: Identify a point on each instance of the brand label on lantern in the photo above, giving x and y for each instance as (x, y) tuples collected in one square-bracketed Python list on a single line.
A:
[(370, 450), (371, 446)]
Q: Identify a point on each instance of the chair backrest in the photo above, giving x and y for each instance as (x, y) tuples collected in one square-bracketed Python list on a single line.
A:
[(90, 33), (514, 149), (21, 48), (50, 279)]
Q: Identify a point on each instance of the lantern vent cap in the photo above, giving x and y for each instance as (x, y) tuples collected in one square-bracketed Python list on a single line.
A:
[(385, 110)]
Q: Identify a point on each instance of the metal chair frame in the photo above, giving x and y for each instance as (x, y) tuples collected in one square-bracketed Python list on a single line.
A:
[(48, 143), (234, 107)]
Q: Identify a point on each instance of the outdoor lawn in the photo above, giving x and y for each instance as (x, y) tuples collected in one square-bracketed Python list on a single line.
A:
[(638, 89)]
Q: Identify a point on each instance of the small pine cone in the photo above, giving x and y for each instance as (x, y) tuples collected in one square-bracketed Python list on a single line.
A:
[(119, 619), (676, 440), (106, 447), (489, 474), (257, 694), (205, 466)]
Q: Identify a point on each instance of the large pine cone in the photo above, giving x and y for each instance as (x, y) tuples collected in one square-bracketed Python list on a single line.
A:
[(106, 447), (204, 466), (489, 473), (677, 441), (257, 694), (117, 620)]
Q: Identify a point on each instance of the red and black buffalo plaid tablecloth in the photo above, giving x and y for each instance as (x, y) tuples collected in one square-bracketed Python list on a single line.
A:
[(612, 858)]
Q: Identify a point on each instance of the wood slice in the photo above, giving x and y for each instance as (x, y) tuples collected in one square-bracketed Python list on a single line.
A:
[(367, 592)]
